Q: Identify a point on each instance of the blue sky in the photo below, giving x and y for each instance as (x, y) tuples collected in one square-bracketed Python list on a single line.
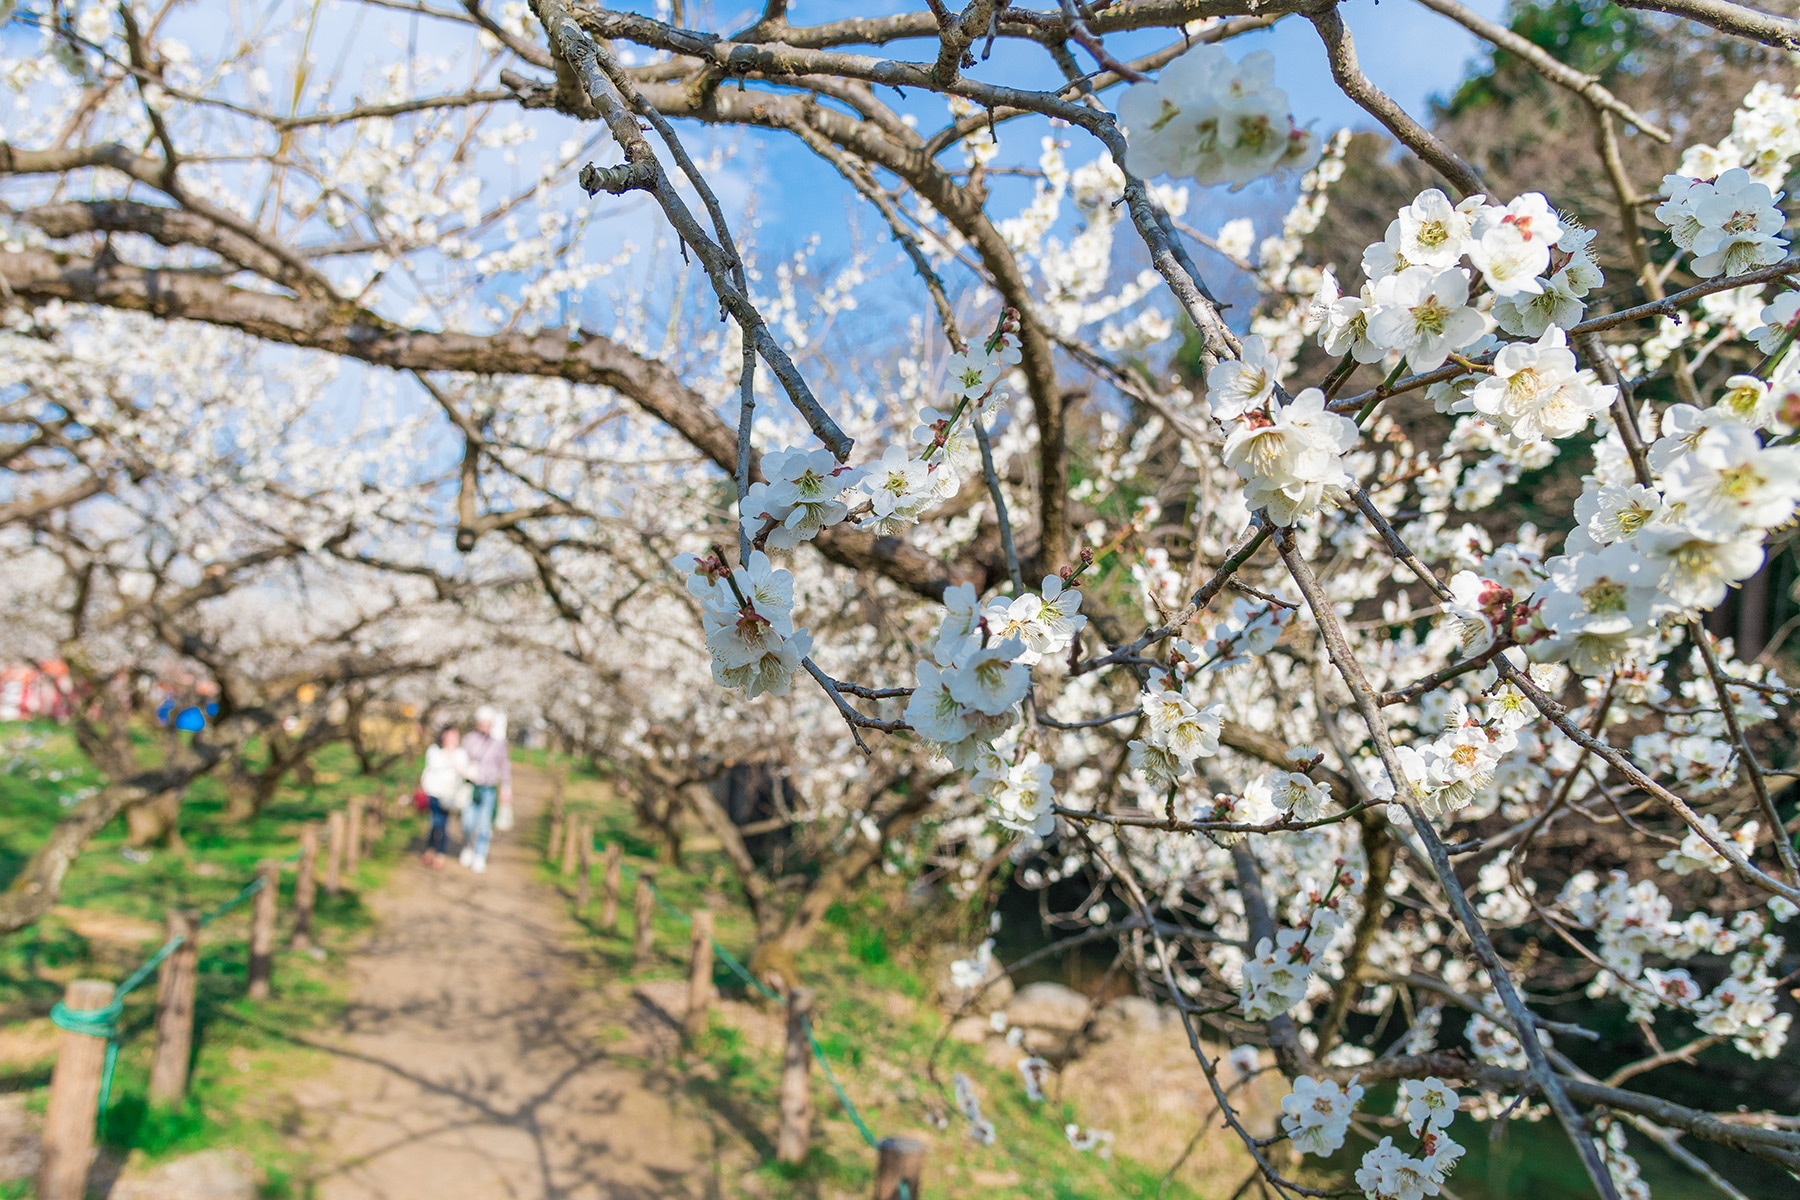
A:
[(1409, 51)]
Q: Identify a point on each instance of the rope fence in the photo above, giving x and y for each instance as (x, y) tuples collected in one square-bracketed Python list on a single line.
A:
[(89, 1015), (104, 1022), (900, 1159)]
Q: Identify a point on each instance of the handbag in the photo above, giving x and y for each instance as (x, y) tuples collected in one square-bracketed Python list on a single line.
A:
[(462, 797), (503, 820), (420, 800)]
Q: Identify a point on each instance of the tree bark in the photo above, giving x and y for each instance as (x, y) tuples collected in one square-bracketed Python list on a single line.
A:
[(34, 891)]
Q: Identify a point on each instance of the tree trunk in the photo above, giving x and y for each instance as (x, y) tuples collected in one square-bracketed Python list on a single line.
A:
[(777, 955), (718, 822), (34, 890), (156, 822)]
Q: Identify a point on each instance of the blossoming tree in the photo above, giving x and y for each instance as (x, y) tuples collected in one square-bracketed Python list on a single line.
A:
[(1238, 643)]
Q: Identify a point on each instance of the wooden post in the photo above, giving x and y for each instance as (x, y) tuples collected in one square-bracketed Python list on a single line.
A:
[(571, 837), (700, 988), (609, 904), (334, 853), (175, 983), (353, 836), (796, 1082), (74, 1100), (584, 889), (262, 929), (901, 1160), (558, 812), (306, 887), (645, 908)]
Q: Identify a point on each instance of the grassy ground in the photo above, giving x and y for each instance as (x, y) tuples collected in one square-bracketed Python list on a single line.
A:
[(110, 918), (875, 1019)]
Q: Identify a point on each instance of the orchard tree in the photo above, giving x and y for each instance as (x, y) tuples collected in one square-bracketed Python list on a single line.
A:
[(1369, 770)]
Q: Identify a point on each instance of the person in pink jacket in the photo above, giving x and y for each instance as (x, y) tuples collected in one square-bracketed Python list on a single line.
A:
[(490, 771)]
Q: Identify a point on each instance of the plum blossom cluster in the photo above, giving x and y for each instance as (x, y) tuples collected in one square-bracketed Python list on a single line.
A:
[(1721, 206), (1213, 120), (1178, 728), (1765, 135), (1276, 978), (1634, 922), (1445, 276), (968, 693), (1289, 454), (1388, 1172), (1728, 225), (747, 613), (1448, 772), (1287, 450), (1655, 553), (807, 491), (1316, 1114)]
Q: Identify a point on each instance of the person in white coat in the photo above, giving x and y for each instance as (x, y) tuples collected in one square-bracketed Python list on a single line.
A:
[(445, 782)]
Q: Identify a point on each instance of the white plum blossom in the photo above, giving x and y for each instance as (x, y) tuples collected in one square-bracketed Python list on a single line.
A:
[(1696, 564), (1044, 622), (991, 679), (1213, 119), (1298, 795), (1021, 796), (1730, 481), (1537, 392), (1694, 854), (1389, 1173), (1511, 246), (1236, 386), (1593, 605), (1275, 979), (1617, 512), (1344, 321), (1289, 461), (1424, 314), (1316, 1114), (933, 711), (962, 621), (1428, 1103), (1181, 730), (899, 489), (1432, 232), (975, 371)]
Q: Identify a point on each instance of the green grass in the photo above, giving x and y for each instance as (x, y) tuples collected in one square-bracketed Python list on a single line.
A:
[(240, 1045), (867, 954)]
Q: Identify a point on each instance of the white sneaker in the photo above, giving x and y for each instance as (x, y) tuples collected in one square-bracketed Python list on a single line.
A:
[(479, 866), (467, 857)]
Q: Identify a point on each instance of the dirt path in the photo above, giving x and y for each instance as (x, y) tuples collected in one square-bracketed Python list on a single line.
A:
[(472, 1062)]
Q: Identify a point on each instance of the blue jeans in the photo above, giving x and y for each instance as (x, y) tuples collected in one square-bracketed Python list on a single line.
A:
[(478, 818), (439, 838)]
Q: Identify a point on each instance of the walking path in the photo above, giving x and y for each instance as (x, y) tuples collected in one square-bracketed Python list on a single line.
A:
[(472, 1062)]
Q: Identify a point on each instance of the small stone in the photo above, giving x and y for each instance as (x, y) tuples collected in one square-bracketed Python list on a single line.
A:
[(1128, 1016), (208, 1175), (1049, 1006)]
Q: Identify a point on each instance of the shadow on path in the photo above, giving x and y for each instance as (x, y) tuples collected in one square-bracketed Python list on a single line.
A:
[(471, 1064)]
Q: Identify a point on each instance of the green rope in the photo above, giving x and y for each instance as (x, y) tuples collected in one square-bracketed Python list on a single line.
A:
[(731, 961), (831, 1078), (104, 1022)]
